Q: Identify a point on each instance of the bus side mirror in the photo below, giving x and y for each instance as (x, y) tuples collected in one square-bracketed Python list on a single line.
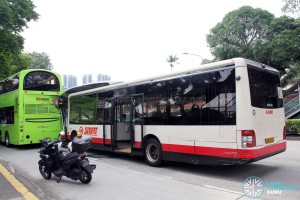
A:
[(60, 102)]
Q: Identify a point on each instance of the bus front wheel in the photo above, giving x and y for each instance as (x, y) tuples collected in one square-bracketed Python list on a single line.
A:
[(153, 152), (7, 142)]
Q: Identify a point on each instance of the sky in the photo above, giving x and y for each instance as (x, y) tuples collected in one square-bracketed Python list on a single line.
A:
[(129, 39)]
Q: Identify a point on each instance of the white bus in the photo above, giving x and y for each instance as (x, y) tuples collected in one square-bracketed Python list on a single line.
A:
[(227, 112)]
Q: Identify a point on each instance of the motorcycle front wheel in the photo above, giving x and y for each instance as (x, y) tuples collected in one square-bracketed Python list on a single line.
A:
[(85, 177), (44, 171)]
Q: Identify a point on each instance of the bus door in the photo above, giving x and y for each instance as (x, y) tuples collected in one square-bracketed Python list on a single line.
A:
[(137, 119), (107, 113), (120, 134), (127, 120)]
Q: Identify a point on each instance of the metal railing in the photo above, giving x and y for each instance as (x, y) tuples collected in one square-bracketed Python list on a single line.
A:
[(292, 107)]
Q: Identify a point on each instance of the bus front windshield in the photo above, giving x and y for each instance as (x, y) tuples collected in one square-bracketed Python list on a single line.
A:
[(41, 81), (265, 88)]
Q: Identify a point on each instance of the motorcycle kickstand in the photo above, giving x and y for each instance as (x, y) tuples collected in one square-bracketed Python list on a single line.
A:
[(59, 179)]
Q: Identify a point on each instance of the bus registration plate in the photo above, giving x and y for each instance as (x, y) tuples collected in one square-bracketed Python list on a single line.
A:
[(269, 140)]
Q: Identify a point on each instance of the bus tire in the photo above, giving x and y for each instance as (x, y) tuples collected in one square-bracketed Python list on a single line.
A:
[(153, 152), (1, 141), (7, 141)]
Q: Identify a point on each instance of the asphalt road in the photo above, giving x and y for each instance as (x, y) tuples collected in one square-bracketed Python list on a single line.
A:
[(125, 177)]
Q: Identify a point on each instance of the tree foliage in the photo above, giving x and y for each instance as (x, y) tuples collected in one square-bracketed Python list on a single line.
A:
[(291, 7), (14, 16), (238, 32), (171, 60), (256, 34), (40, 61)]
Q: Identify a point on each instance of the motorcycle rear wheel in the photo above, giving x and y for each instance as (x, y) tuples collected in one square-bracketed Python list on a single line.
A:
[(44, 172), (85, 177)]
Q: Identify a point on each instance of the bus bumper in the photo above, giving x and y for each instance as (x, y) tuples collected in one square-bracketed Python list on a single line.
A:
[(242, 156)]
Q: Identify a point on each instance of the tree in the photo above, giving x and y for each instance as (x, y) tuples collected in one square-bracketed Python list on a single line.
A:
[(14, 16), (238, 32), (281, 48), (21, 62), (256, 34), (291, 7), (40, 61), (171, 60)]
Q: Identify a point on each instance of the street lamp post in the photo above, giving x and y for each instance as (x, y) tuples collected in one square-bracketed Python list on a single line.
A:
[(194, 55)]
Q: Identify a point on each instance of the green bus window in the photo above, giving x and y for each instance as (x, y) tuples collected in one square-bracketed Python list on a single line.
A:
[(41, 81)]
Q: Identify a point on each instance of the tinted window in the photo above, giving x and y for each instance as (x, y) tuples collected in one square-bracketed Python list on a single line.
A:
[(82, 109), (9, 84), (104, 104), (7, 115), (155, 102), (1, 87), (203, 99), (265, 88), (41, 81)]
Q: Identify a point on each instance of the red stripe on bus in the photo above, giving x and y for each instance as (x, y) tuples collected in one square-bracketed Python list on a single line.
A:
[(227, 152), (256, 153), (100, 140), (213, 151), (182, 149)]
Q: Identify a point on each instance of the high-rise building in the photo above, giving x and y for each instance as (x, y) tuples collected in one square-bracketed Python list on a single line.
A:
[(69, 81), (103, 77), (87, 78)]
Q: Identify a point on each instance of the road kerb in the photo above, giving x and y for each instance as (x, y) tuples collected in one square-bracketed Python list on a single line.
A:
[(26, 194)]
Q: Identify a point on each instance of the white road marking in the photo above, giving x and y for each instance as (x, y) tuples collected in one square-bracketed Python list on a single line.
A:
[(223, 189), (167, 177), (92, 158), (263, 164)]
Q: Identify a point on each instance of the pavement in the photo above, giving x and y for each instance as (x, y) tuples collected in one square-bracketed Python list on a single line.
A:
[(11, 188), (15, 187)]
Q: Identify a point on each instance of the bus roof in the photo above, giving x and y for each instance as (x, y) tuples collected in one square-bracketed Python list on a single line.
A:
[(30, 70), (88, 86), (202, 68)]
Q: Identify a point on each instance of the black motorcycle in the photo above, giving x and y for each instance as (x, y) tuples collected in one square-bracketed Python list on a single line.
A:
[(62, 162)]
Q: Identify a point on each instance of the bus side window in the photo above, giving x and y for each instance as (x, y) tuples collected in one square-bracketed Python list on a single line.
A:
[(1, 88), (15, 82), (8, 86), (2, 116)]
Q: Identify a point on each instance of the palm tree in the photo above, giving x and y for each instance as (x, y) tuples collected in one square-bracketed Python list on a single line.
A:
[(172, 59)]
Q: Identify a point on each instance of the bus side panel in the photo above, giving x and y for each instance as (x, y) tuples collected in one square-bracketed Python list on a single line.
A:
[(9, 119), (94, 131), (183, 141), (243, 103)]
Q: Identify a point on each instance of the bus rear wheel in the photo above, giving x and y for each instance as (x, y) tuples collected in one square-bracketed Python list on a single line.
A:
[(7, 142), (1, 141), (153, 152)]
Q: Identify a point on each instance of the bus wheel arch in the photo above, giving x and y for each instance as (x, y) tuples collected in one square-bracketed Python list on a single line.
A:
[(152, 151), (6, 139)]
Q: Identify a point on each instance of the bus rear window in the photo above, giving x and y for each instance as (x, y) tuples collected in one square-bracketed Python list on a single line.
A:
[(41, 81), (265, 89)]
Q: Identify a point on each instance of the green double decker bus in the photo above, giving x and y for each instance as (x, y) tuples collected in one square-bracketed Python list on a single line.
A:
[(28, 111)]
